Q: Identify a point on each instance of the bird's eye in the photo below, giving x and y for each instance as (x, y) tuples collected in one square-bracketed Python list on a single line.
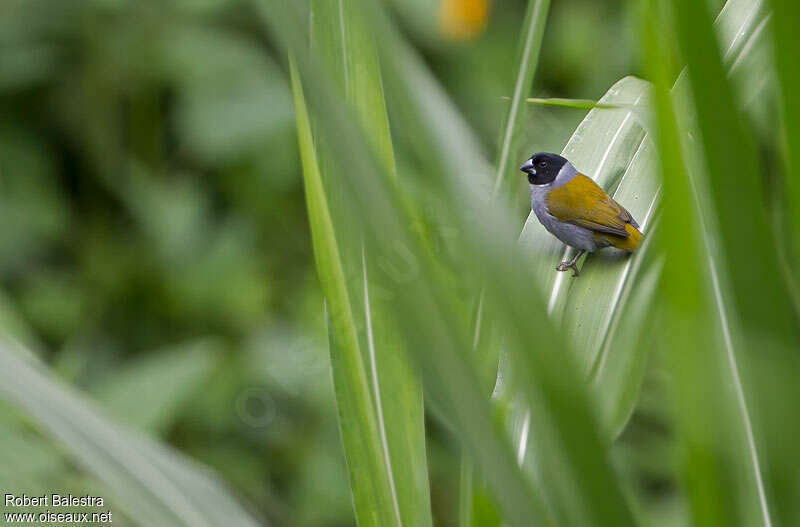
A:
[(542, 164)]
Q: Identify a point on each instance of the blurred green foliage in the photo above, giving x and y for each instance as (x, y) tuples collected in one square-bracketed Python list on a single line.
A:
[(150, 196)]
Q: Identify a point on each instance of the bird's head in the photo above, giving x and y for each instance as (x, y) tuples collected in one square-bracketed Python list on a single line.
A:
[(542, 168)]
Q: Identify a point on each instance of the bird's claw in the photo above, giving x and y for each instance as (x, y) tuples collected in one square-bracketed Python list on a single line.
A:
[(563, 266)]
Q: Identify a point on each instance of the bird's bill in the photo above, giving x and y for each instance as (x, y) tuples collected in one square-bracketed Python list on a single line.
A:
[(528, 167)]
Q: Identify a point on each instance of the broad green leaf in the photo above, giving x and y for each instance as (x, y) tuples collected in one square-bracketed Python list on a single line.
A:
[(149, 481), (620, 365), (610, 146), (148, 393), (614, 136), (602, 147), (597, 296), (748, 60)]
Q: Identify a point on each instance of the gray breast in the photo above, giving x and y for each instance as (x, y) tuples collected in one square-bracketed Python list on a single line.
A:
[(572, 235)]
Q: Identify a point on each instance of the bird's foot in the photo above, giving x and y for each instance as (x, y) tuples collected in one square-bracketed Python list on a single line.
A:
[(563, 266)]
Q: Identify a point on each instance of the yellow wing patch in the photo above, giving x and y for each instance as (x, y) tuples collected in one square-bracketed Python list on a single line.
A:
[(582, 202)]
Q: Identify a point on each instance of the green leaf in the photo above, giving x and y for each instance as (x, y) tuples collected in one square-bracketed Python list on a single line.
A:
[(149, 481), (149, 393), (580, 104), (476, 506), (724, 482), (620, 366), (395, 392), (739, 196), (374, 500), (610, 146)]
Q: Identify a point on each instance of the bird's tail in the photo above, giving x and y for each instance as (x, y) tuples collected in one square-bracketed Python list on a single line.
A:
[(632, 241), (628, 243)]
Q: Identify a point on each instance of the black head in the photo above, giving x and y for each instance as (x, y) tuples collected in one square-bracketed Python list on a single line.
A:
[(542, 168)]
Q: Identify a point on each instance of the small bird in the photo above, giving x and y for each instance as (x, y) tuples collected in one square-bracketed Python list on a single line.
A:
[(576, 210)]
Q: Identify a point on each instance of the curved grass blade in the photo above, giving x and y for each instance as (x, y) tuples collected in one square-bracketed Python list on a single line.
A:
[(758, 296), (396, 393), (741, 25), (373, 499), (150, 482), (580, 104)]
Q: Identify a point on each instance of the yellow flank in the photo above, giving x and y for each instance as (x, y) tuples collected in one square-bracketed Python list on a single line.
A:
[(582, 202)]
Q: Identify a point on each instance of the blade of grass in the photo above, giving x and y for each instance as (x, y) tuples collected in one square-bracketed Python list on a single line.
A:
[(687, 313), (447, 128), (759, 297), (579, 104), (396, 393), (713, 473), (374, 503), (740, 26), (148, 481)]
